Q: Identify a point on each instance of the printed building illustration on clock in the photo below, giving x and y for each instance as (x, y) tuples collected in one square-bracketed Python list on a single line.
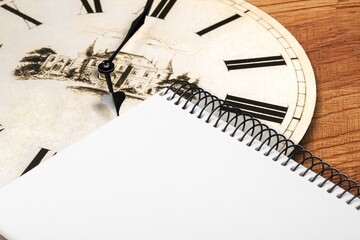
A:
[(136, 75)]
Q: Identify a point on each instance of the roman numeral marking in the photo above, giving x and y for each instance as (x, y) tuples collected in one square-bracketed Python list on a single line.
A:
[(26, 18), (124, 76), (89, 9), (254, 62), (260, 110), (37, 159), (1, 128), (217, 25), (163, 8)]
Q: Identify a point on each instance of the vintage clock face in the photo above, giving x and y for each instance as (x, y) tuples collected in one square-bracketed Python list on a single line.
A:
[(50, 88)]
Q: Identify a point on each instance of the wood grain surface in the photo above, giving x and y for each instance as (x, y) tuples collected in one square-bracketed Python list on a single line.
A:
[(329, 31)]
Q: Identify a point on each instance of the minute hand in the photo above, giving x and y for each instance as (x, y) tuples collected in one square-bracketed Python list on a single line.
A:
[(135, 26)]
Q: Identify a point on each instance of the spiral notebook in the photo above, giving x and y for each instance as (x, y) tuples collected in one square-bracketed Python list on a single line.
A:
[(179, 166)]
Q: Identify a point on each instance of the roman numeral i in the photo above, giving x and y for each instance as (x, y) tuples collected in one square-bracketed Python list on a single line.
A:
[(89, 9), (254, 62), (163, 8), (26, 18), (219, 24), (260, 110)]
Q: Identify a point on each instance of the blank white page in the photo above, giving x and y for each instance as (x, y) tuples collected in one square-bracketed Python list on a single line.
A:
[(158, 172)]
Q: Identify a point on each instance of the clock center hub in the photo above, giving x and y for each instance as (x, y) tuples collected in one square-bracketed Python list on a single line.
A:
[(106, 67)]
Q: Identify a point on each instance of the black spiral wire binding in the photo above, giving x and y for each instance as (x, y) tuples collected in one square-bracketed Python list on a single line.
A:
[(250, 126)]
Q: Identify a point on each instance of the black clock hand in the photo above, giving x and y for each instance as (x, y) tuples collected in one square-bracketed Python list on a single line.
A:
[(106, 67), (135, 26)]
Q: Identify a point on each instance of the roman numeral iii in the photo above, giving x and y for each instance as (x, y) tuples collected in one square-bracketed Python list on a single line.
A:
[(260, 110), (89, 9), (163, 8), (26, 18), (217, 25), (254, 62)]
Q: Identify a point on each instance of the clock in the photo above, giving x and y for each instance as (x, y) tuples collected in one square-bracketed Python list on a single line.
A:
[(51, 89)]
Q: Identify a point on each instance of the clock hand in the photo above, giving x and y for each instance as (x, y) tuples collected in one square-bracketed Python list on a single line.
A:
[(135, 26), (106, 67)]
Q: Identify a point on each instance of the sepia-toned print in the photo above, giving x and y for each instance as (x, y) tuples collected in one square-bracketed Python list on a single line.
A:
[(136, 75), (53, 95)]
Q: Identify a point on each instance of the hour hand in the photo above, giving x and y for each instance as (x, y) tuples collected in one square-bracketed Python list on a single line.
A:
[(106, 68), (114, 100)]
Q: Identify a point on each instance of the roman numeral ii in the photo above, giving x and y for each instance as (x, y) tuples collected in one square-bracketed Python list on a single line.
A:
[(163, 8), (89, 9)]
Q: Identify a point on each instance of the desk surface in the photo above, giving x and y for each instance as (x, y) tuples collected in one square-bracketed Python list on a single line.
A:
[(329, 31)]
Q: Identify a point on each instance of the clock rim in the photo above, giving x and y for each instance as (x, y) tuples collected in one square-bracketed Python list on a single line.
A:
[(307, 69)]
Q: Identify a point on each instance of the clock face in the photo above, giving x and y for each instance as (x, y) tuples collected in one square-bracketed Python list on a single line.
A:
[(50, 91)]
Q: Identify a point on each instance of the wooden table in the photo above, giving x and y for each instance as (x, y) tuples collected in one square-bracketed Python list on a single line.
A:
[(329, 31)]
